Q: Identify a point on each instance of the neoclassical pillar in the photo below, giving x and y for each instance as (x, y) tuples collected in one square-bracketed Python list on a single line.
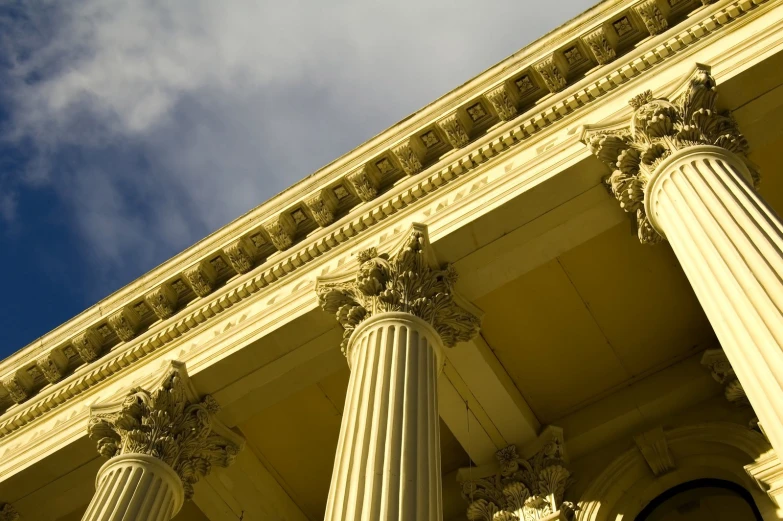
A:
[(681, 169), (399, 313), (159, 444)]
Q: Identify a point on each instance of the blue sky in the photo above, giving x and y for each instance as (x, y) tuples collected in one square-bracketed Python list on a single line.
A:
[(129, 130)]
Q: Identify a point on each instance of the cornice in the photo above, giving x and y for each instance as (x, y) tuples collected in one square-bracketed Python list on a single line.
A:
[(214, 260)]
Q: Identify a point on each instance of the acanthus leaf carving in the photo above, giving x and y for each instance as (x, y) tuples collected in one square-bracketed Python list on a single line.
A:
[(600, 46), (201, 278), (659, 127), (240, 255), (124, 322), (523, 489), (8, 513), (652, 17), (322, 208), (455, 131), (364, 183), (550, 73), (406, 281), (162, 301), (169, 423), (281, 231), (88, 345), (52, 366), (408, 158), (503, 102), (722, 372), (18, 389)]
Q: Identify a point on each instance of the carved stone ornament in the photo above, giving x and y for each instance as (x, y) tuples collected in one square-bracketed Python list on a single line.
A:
[(407, 157), (201, 278), (600, 46), (169, 423), (322, 208), (523, 489), (162, 300), (652, 17), (16, 388), (407, 281), (550, 73), (87, 344), (658, 128), (281, 231), (49, 367), (502, 102), (454, 130), (655, 448), (125, 323), (720, 368), (364, 183), (240, 256), (8, 513)]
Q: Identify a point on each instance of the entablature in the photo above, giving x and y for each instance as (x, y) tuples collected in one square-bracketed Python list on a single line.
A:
[(507, 105)]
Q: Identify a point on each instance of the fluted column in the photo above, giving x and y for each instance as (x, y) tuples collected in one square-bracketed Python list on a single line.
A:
[(398, 313), (135, 486), (681, 168), (729, 244), (159, 444), (388, 457)]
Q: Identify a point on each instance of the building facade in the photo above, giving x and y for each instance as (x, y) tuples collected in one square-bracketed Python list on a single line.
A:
[(554, 293)]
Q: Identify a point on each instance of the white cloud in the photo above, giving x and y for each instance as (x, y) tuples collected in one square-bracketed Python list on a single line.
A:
[(157, 122)]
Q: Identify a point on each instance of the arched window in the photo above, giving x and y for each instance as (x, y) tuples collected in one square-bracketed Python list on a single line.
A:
[(702, 500)]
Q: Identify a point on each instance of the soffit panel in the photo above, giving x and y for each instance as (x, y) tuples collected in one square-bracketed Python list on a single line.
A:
[(639, 297), (548, 342), (297, 438)]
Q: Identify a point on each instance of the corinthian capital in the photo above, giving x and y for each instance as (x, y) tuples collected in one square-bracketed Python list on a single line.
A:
[(170, 423), (522, 488), (409, 281), (657, 128), (7, 513)]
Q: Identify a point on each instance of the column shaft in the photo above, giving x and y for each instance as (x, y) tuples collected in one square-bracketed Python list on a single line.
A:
[(387, 465), (729, 244), (135, 487)]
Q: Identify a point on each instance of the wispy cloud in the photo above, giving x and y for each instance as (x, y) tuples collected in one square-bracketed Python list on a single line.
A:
[(157, 122)]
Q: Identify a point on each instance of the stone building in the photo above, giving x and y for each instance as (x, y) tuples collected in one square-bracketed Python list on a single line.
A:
[(553, 293)]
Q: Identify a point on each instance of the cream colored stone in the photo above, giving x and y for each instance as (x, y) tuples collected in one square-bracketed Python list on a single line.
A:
[(583, 326)]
